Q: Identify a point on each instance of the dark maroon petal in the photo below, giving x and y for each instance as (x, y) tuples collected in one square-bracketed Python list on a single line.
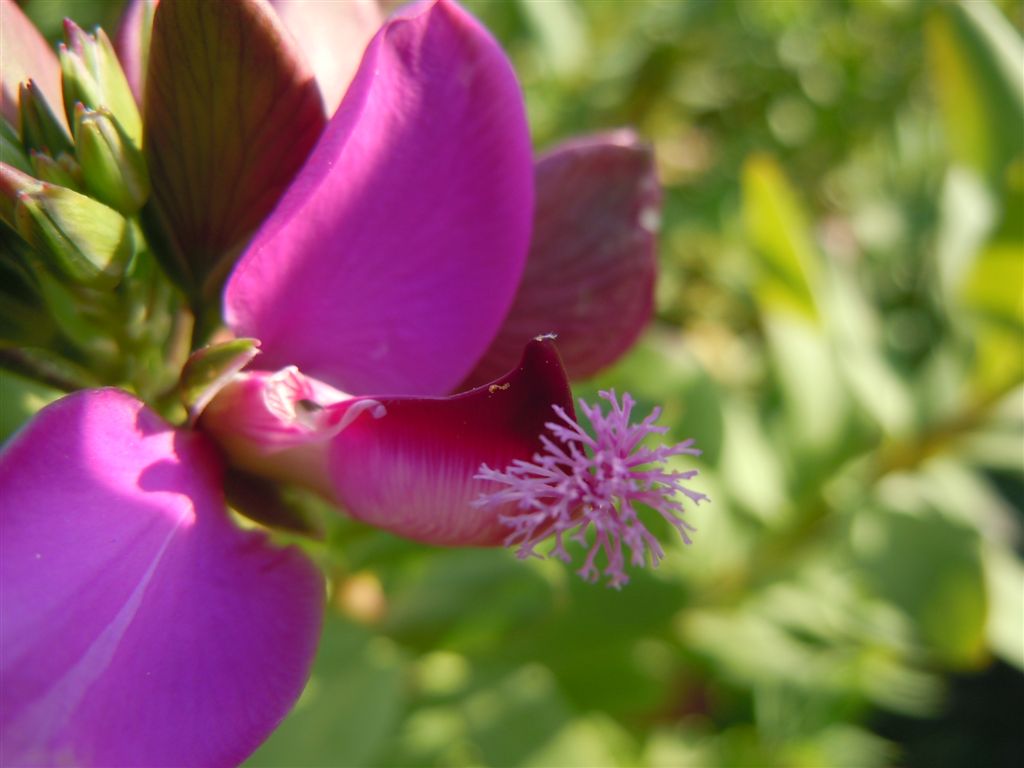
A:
[(138, 625), (411, 468), (231, 111), (589, 278)]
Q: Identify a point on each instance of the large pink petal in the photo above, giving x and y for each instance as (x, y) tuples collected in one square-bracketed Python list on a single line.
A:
[(590, 275), (24, 54), (332, 36), (393, 258), (138, 625), (411, 469)]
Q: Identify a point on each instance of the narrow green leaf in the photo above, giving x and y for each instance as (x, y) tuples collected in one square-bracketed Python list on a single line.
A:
[(976, 57), (778, 231)]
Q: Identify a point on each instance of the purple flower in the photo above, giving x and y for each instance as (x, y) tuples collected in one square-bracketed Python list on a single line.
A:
[(138, 624), (580, 483)]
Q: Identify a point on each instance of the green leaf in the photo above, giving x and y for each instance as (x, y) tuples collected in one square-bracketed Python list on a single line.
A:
[(855, 328), (351, 706), (561, 35), (778, 231), (816, 400), (21, 399), (976, 55), (897, 553), (1004, 574), (995, 286)]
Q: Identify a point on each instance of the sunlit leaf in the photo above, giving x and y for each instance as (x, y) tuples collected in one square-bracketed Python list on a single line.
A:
[(855, 327), (1004, 574), (350, 708), (816, 400), (976, 55), (897, 552), (780, 236), (21, 398)]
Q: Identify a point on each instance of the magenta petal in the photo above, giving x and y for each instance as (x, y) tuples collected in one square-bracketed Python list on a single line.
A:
[(590, 275), (411, 470), (332, 36), (24, 54), (138, 625), (392, 260)]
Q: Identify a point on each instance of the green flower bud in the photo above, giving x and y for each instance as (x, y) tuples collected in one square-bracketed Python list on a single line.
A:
[(11, 151), (93, 76), (113, 168), (63, 172), (40, 128), (14, 183), (77, 238)]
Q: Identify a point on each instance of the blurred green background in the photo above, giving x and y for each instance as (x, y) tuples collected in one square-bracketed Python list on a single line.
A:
[(840, 318)]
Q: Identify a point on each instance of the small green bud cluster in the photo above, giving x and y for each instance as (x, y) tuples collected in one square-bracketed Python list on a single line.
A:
[(82, 300)]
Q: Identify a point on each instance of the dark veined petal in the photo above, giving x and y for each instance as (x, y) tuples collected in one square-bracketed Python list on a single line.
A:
[(390, 263), (409, 466), (138, 625), (231, 110), (589, 278)]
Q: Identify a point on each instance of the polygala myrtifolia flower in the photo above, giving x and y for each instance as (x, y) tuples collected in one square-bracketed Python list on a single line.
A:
[(406, 247)]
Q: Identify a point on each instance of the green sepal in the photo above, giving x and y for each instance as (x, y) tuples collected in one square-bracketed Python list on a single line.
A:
[(209, 369), (93, 76), (113, 168), (40, 128)]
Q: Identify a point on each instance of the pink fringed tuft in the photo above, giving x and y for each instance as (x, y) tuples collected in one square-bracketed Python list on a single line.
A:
[(600, 481)]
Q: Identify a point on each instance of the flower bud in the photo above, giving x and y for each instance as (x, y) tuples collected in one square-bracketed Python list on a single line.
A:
[(11, 150), (12, 184), (113, 168), (40, 128), (64, 172), (93, 76), (77, 238)]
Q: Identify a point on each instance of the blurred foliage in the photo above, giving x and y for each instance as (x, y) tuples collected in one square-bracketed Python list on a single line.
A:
[(840, 318)]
